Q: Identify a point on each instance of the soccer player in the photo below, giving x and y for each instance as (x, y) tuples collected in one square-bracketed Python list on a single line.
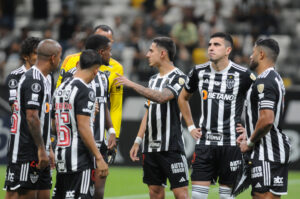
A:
[(28, 167), (115, 92), (74, 103), (160, 130), (29, 56), (222, 85), (269, 146)]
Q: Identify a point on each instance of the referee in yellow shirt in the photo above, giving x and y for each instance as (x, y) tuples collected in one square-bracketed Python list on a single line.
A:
[(115, 92)]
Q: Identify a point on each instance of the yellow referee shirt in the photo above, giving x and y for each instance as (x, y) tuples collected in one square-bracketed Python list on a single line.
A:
[(115, 92)]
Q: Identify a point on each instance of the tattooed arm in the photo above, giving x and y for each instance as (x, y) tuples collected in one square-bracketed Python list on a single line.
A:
[(153, 95)]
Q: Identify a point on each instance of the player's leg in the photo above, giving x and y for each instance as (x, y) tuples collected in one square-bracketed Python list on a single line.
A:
[(231, 158), (174, 166), (203, 171), (153, 175), (268, 179), (11, 195), (156, 192), (27, 194), (99, 187)]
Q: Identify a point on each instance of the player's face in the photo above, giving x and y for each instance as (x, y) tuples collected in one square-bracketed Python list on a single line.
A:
[(254, 58), (153, 55), (217, 49), (106, 54), (105, 34)]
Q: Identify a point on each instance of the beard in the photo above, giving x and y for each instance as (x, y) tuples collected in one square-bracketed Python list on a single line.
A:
[(253, 65)]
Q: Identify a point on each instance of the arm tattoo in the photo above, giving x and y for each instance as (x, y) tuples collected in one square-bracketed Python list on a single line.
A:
[(154, 95)]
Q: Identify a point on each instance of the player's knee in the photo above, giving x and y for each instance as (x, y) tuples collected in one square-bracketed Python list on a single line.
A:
[(156, 192), (99, 194)]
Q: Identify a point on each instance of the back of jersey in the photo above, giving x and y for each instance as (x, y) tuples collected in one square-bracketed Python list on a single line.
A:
[(72, 98)]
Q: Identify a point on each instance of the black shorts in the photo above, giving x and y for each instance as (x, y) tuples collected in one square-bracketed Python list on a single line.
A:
[(158, 166), (269, 177), (212, 162), (74, 185), (27, 176)]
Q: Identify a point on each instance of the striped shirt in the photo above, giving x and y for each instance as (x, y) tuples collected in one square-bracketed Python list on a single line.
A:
[(34, 92), (164, 130), (222, 99), (73, 97), (267, 92)]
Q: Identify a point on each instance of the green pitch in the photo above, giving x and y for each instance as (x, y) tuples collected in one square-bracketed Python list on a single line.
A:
[(124, 182)]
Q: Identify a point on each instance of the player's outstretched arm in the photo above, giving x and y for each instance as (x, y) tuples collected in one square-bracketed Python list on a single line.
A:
[(87, 137), (153, 95), (184, 106), (139, 139), (32, 117)]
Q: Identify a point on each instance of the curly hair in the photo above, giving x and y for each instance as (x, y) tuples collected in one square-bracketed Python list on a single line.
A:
[(29, 45)]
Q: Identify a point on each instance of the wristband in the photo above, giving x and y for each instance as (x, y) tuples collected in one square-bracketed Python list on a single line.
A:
[(111, 131), (249, 143), (138, 140), (192, 127)]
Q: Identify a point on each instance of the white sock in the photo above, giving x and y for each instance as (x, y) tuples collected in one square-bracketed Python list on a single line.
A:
[(199, 192), (225, 193)]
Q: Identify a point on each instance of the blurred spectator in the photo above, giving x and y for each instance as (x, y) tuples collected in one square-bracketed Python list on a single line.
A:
[(13, 60), (7, 13), (160, 27), (40, 9)]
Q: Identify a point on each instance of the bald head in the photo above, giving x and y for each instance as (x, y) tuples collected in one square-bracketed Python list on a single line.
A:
[(47, 48)]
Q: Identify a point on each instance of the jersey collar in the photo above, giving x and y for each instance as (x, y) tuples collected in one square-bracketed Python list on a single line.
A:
[(225, 70)]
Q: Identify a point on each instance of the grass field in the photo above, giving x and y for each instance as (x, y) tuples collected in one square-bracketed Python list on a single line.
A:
[(126, 183)]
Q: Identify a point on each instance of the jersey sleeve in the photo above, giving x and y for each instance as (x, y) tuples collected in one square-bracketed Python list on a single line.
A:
[(176, 84), (247, 78), (33, 93), (267, 94), (116, 99), (191, 83), (12, 84), (69, 63), (84, 102)]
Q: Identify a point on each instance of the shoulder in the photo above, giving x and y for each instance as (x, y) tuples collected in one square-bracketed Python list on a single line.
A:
[(115, 64), (70, 60), (239, 68), (18, 71)]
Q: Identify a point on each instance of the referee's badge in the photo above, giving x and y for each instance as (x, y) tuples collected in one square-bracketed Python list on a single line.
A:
[(260, 88), (181, 81), (230, 83)]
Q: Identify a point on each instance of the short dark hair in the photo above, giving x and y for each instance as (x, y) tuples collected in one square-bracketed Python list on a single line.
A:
[(227, 37), (271, 45), (105, 28), (168, 44), (96, 42), (29, 45), (89, 58)]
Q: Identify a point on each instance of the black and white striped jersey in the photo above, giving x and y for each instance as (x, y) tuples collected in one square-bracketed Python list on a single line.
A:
[(34, 92), (68, 74), (100, 86), (267, 92), (222, 99), (164, 130), (12, 82), (73, 97)]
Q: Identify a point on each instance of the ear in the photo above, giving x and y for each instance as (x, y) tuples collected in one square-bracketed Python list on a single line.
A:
[(261, 55), (25, 57), (163, 53), (228, 50)]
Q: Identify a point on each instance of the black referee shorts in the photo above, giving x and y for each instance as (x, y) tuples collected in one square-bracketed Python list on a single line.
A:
[(158, 166), (212, 163)]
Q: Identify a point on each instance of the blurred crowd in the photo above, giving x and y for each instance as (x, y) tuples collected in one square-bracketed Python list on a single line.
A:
[(137, 22)]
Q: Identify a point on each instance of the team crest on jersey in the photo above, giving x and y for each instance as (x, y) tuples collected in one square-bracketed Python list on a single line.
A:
[(36, 87), (34, 177), (230, 83), (12, 83), (92, 190), (107, 73), (260, 88), (181, 81), (92, 96)]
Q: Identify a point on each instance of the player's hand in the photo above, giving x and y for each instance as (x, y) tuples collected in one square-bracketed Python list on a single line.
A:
[(112, 141), (43, 158), (122, 80), (243, 134), (52, 159), (244, 147), (196, 133), (102, 168), (133, 152)]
